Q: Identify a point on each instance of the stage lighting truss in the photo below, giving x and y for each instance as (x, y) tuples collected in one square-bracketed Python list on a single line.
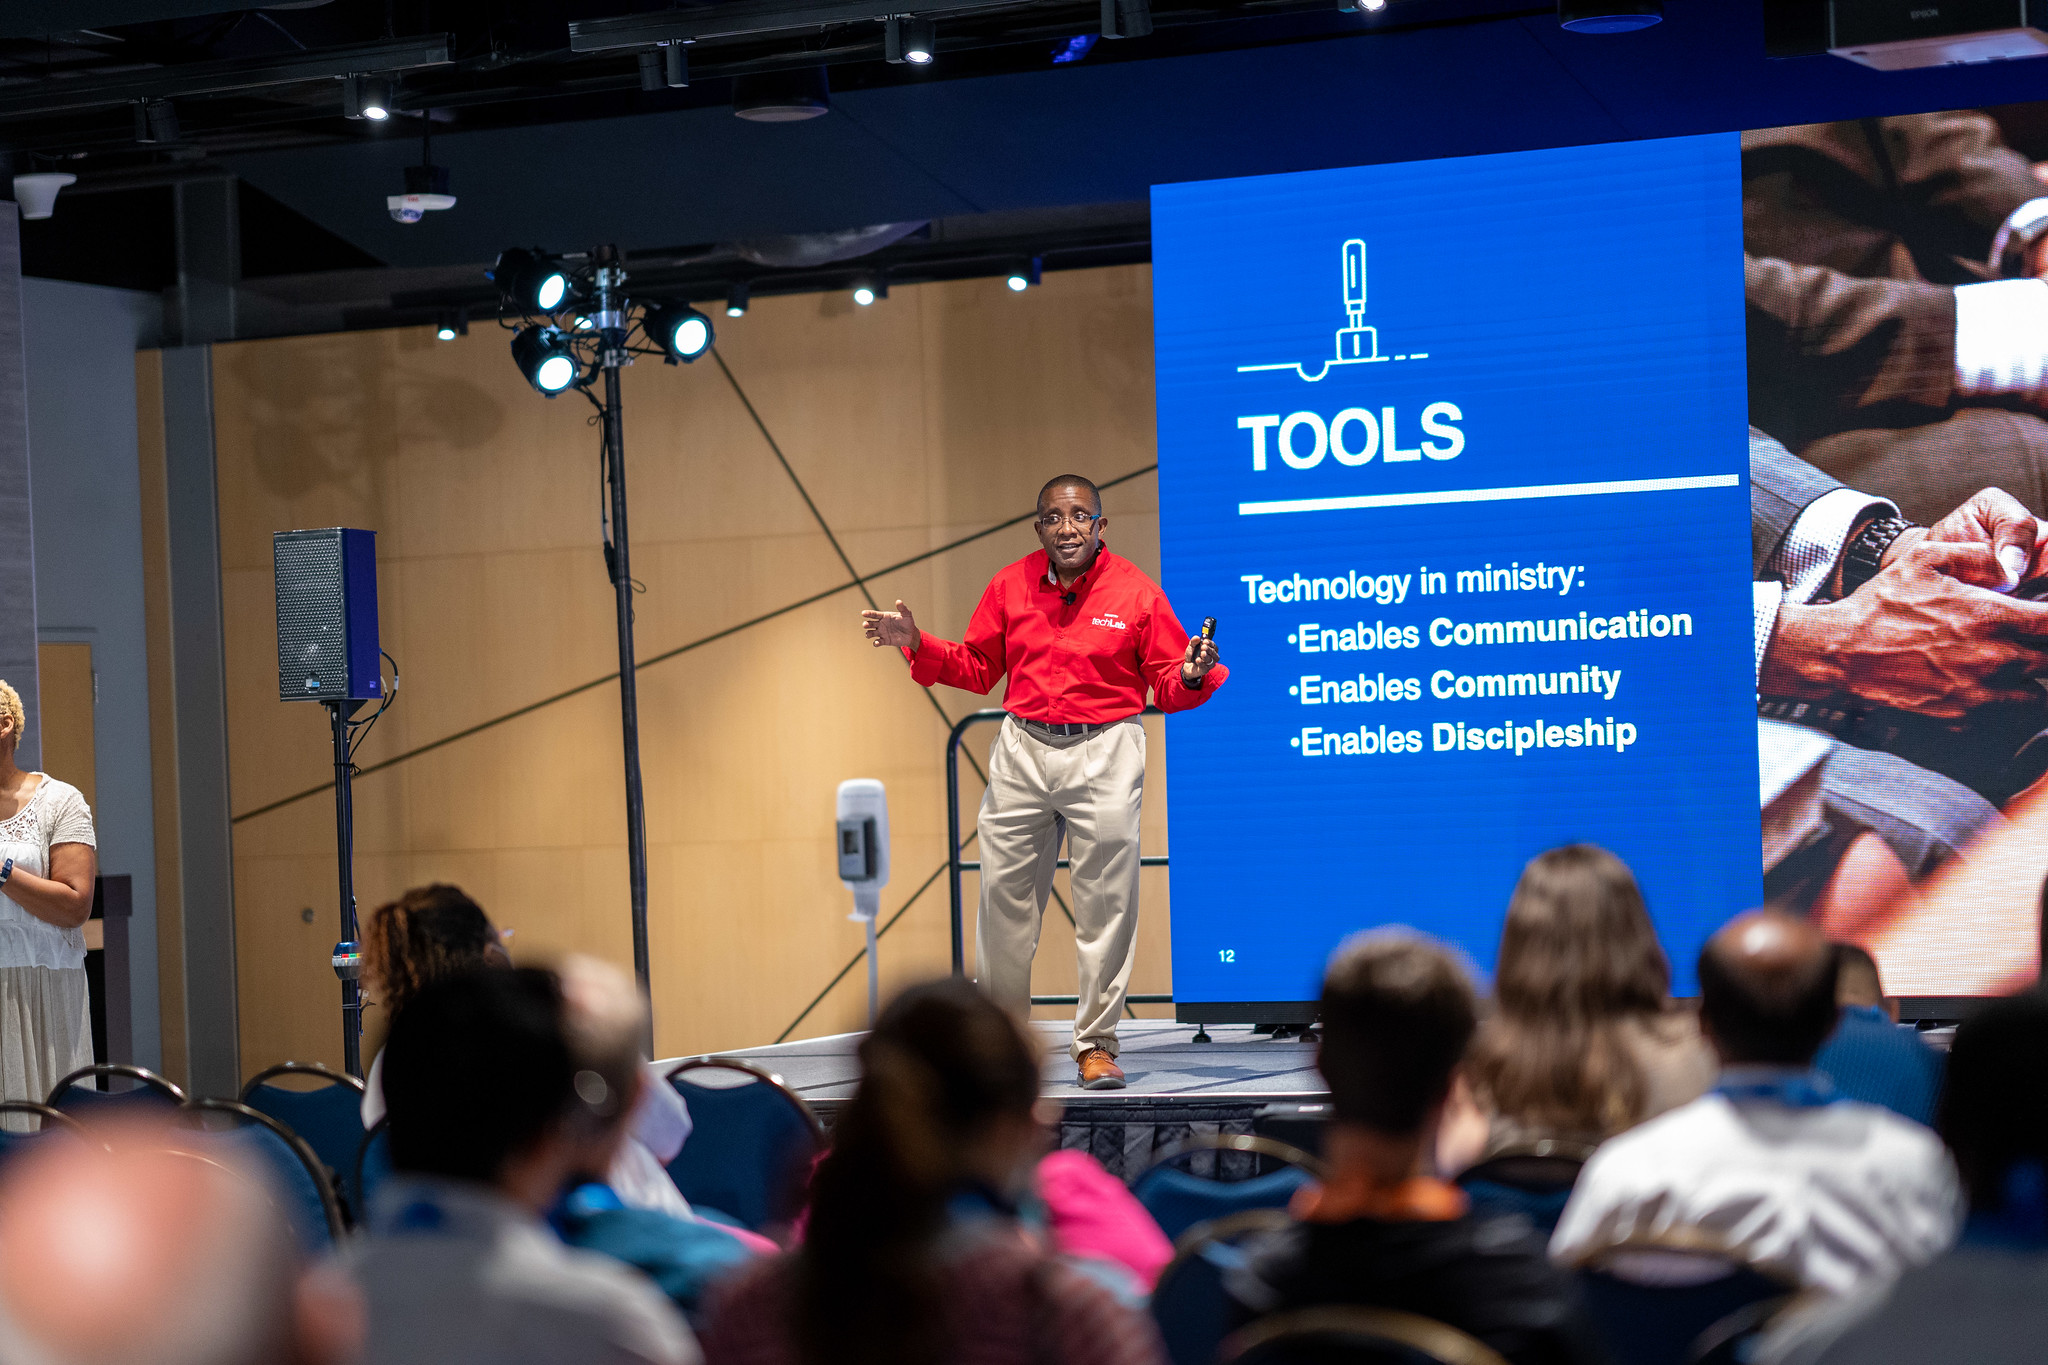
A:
[(562, 338)]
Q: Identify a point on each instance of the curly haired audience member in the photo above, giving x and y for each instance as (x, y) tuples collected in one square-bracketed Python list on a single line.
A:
[(436, 931)]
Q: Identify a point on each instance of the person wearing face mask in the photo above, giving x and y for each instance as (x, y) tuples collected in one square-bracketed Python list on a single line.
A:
[(914, 1253), (1082, 634)]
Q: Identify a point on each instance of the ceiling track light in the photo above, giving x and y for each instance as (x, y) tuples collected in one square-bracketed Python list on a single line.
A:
[(869, 288), (1126, 18), (366, 97), (1361, 6), (679, 330), (454, 322), (545, 357), (908, 39), (156, 123), (1025, 275), (737, 297), (1609, 16)]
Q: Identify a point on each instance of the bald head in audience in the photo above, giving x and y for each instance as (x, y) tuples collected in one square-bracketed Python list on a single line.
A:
[(1767, 990), (146, 1255)]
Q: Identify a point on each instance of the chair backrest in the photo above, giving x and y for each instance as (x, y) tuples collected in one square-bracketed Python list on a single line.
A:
[(149, 1091), (371, 1166), (1179, 1200), (16, 1134), (1188, 1303), (1346, 1335), (1654, 1298), (751, 1143), (1532, 1179), (299, 1178), (328, 1116)]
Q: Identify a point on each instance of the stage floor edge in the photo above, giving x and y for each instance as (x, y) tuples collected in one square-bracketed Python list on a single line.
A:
[(1162, 1062)]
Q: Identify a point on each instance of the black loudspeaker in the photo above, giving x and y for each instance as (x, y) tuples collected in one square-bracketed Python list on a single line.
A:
[(327, 615)]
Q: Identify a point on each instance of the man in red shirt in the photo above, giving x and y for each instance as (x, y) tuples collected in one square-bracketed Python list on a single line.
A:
[(1082, 634)]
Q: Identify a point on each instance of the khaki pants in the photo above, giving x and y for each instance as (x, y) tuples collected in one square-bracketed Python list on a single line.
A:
[(1089, 788)]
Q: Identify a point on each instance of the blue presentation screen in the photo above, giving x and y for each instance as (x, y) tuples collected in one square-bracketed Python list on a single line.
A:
[(1455, 451)]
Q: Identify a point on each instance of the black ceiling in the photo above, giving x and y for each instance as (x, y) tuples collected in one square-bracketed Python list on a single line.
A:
[(548, 145)]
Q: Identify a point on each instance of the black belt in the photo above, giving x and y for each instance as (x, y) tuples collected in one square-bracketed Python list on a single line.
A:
[(1063, 729)]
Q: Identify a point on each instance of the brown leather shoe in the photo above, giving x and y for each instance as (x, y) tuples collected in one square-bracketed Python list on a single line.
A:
[(1099, 1070)]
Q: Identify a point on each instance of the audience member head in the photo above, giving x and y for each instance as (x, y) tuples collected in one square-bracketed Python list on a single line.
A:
[(948, 1085), (1767, 990), (1397, 1013), (606, 1019), (481, 1082), (1579, 961), (426, 934), (1994, 1104), (13, 720), (139, 1253), (1857, 982)]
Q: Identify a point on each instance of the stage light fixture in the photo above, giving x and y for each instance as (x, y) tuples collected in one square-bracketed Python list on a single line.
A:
[(868, 288), (454, 323), (1026, 275), (1609, 16), (737, 296), (544, 356), (681, 331), (530, 279)]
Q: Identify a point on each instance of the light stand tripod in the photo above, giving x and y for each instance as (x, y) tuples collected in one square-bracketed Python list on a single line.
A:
[(612, 325)]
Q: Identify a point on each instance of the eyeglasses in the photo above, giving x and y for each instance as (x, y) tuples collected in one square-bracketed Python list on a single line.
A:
[(1082, 521)]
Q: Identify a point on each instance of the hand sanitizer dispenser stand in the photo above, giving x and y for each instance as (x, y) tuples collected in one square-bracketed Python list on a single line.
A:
[(863, 842)]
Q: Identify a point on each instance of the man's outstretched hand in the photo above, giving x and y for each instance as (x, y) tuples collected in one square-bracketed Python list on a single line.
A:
[(896, 629), (1920, 636)]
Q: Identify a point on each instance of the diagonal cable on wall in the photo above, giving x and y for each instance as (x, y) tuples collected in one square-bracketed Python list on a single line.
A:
[(326, 788)]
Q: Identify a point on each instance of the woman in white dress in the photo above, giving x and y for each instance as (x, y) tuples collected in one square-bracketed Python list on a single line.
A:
[(47, 866)]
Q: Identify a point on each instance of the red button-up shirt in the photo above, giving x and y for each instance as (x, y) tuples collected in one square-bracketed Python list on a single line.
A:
[(1089, 660)]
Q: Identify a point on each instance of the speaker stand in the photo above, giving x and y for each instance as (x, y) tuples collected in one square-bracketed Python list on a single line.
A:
[(348, 953)]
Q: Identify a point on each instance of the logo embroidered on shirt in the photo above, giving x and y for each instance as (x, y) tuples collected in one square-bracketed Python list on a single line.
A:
[(1109, 619)]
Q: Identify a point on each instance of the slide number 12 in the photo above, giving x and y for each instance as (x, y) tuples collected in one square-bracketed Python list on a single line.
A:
[(1226, 954)]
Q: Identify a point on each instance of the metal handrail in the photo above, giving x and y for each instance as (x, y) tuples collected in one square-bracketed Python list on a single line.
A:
[(955, 865)]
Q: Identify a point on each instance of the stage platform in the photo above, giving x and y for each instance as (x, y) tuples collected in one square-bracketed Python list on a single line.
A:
[(1239, 1082)]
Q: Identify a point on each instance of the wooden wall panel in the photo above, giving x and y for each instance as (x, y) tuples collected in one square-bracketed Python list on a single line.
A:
[(926, 418)]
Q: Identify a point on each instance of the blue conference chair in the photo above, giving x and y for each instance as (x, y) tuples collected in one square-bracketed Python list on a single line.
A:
[(370, 1168), (77, 1096), (329, 1116), (1178, 1200), (1188, 1302), (1669, 1299), (751, 1144), (15, 1141), (298, 1178), (1351, 1335), (1534, 1180)]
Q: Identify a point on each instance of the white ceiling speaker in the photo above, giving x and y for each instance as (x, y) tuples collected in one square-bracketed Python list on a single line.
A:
[(37, 194)]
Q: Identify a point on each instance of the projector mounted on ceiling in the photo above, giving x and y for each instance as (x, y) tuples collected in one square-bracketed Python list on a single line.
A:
[(1904, 35)]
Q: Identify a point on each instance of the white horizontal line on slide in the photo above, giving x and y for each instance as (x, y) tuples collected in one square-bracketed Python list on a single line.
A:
[(1535, 490)]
